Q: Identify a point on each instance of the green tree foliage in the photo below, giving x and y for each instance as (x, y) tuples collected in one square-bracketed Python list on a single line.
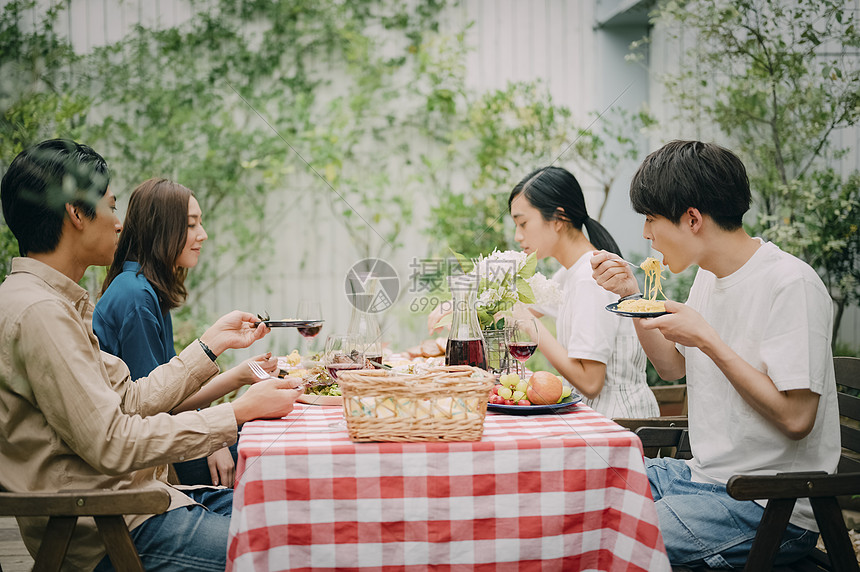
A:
[(780, 79), (510, 132), (34, 101), (261, 107)]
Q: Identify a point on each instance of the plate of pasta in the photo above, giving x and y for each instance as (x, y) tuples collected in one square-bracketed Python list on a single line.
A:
[(640, 308), (647, 305)]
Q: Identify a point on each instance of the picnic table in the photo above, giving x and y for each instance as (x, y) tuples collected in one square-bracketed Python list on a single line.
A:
[(559, 491)]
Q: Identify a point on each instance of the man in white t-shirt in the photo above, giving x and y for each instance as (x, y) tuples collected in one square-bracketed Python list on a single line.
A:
[(753, 340)]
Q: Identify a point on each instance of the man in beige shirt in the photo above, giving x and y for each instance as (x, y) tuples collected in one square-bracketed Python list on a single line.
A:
[(70, 416)]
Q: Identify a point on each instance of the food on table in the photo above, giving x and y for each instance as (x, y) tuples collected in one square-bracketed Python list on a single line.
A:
[(311, 371), (428, 348), (649, 301), (511, 390), (294, 358), (342, 362), (331, 389), (544, 388)]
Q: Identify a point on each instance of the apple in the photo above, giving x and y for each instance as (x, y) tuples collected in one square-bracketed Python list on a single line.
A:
[(544, 388)]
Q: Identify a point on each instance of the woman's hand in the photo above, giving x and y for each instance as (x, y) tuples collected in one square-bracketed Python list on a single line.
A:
[(440, 311), (222, 469), (245, 376), (613, 273), (234, 330)]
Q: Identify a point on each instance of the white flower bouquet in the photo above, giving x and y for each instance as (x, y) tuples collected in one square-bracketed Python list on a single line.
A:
[(505, 278)]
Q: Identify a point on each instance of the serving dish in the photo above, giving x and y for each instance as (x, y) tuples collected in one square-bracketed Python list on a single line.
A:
[(568, 401), (614, 309)]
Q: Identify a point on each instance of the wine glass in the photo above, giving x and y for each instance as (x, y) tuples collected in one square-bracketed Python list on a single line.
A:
[(309, 310), (342, 352), (523, 341)]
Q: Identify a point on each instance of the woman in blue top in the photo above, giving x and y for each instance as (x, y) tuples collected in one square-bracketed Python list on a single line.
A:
[(161, 239)]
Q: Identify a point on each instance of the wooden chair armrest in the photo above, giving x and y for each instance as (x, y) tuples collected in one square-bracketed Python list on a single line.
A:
[(792, 485), (84, 503)]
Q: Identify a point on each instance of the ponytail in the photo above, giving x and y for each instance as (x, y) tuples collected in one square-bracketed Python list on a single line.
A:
[(600, 237)]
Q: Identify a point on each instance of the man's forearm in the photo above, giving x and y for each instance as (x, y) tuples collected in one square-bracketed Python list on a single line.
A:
[(662, 353), (792, 412)]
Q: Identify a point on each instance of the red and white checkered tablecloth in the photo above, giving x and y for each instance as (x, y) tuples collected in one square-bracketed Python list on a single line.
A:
[(543, 492)]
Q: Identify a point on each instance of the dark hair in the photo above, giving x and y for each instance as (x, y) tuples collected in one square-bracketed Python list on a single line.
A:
[(684, 174), (39, 183), (553, 188), (154, 233)]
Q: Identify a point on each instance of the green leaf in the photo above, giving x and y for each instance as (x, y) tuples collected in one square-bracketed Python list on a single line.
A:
[(465, 264), (526, 294), (528, 269), (485, 318)]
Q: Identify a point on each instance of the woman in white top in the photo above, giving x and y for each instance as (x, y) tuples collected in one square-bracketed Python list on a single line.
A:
[(596, 351)]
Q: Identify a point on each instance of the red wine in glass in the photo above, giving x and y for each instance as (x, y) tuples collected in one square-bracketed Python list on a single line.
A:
[(522, 350), (310, 331), (466, 352), (333, 368)]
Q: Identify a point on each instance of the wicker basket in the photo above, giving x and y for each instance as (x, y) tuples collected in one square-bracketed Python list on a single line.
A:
[(446, 403)]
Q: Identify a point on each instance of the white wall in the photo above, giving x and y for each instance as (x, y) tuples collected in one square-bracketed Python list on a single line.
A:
[(556, 41)]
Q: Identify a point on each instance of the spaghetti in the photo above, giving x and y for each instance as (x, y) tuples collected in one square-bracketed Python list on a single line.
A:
[(649, 302)]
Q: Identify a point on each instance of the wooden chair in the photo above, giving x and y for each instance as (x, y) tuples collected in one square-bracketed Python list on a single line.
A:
[(635, 423), (106, 507), (672, 399), (783, 490)]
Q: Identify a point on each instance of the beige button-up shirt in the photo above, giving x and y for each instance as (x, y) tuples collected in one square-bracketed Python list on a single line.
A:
[(72, 418)]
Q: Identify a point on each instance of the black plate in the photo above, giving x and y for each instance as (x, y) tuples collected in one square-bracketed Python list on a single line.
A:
[(571, 399), (293, 323), (614, 309)]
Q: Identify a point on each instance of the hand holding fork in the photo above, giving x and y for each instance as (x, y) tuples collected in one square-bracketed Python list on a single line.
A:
[(262, 374)]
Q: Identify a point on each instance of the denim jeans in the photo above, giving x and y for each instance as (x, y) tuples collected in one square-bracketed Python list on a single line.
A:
[(702, 525), (185, 538), (196, 471)]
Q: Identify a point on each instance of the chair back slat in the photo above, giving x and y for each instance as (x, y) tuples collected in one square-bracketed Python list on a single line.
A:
[(847, 371), (850, 439), (848, 465), (848, 382), (849, 406)]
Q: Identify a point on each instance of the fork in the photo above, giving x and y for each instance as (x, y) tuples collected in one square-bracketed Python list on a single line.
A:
[(261, 373), (257, 370), (263, 318)]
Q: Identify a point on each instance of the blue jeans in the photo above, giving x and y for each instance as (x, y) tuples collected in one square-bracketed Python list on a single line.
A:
[(185, 538), (702, 525)]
